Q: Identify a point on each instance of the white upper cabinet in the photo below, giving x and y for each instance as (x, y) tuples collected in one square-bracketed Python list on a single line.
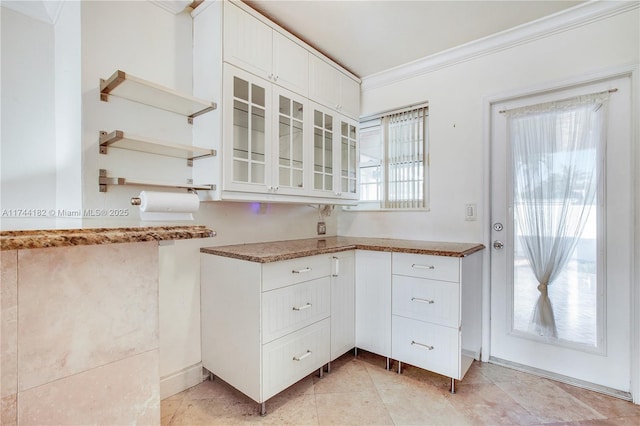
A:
[(254, 46), (277, 139), (333, 88)]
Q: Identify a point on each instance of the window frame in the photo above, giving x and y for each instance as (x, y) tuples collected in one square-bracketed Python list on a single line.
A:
[(378, 121)]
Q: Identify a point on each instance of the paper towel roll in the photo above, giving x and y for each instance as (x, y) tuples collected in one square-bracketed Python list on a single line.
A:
[(168, 206)]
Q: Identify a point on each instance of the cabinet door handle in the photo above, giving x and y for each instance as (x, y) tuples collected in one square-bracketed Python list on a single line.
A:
[(270, 77), (427, 347), (300, 308), (417, 266), (303, 356), (301, 271), (418, 299), (336, 266)]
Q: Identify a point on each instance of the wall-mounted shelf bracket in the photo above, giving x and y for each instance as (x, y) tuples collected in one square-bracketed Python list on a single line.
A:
[(104, 181), (118, 139), (138, 90)]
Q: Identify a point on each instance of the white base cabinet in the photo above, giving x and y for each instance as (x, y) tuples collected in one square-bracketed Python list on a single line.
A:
[(436, 312), (265, 326)]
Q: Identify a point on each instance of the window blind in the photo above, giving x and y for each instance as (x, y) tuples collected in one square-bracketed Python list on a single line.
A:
[(405, 159)]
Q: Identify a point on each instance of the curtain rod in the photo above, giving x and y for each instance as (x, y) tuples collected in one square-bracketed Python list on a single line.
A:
[(608, 91)]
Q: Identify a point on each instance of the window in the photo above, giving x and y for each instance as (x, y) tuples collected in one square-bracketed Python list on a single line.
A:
[(394, 161)]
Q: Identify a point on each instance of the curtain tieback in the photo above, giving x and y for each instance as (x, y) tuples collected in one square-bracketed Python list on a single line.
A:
[(542, 288)]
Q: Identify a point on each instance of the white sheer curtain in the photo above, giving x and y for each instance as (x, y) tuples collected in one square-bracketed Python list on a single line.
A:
[(556, 149)]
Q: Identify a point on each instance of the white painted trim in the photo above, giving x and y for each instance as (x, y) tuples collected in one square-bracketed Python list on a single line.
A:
[(582, 14), (44, 11), (172, 6), (635, 289), (632, 70), (181, 380)]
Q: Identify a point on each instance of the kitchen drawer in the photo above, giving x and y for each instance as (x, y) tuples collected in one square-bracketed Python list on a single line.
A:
[(288, 309), (429, 346), (426, 300), (425, 266), (294, 356), (293, 271)]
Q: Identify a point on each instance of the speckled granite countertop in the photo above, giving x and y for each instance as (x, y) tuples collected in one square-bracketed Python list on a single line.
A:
[(18, 240), (291, 249)]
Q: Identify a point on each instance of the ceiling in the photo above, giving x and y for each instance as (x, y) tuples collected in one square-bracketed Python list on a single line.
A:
[(369, 36)]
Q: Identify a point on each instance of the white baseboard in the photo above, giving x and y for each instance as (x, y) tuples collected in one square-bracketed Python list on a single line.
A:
[(181, 380)]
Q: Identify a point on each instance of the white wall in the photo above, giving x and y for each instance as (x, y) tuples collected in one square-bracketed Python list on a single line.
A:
[(457, 97), (68, 104), (28, 149)]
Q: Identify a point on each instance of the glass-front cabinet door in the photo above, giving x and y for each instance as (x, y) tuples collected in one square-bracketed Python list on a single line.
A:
[(348, 159), (323, 151), (289, 140), (247, 135)]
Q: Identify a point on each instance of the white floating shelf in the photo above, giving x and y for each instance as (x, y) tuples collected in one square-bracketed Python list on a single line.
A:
[(118, 139), (138, 90)]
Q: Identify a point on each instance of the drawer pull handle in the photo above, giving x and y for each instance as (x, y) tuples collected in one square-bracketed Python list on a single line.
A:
[(301, 271), (417, 299), (430, 348), (301, 357), (416, 266), (300, 308)]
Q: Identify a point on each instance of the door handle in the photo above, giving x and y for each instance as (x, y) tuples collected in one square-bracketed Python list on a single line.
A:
[(497, 244)]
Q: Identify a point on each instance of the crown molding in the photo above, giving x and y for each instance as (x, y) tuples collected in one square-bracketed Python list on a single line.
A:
[(173, 6), (568, 19), (44, 11)]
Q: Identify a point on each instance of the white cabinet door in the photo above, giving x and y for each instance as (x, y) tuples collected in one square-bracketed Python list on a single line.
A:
[(247, 132), (333, 88), (290, 158), (324, 83), (373, 301), (343, 303), (323, 156), (247, 41), (290, 64), (427, 300), (347, 159), (349, 96), (294, 356), (425, 345)]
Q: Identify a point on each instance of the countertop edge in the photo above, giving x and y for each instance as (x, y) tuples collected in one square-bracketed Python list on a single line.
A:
[(297, 253), (21, 240)]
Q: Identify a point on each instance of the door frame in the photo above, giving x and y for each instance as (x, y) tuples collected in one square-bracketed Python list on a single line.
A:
[(633, 72)]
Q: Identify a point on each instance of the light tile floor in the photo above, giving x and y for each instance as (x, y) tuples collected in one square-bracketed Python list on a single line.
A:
[(359, 391)]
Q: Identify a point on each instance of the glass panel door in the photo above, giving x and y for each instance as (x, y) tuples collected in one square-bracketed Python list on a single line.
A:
[(290, 161), (322, 151), (348, 163), (249, 133)]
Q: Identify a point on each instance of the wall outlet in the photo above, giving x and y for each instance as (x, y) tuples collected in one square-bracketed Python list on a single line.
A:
[(322, 228)]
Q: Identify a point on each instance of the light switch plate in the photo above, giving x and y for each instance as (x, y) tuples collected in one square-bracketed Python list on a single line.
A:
[(470, 212)]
